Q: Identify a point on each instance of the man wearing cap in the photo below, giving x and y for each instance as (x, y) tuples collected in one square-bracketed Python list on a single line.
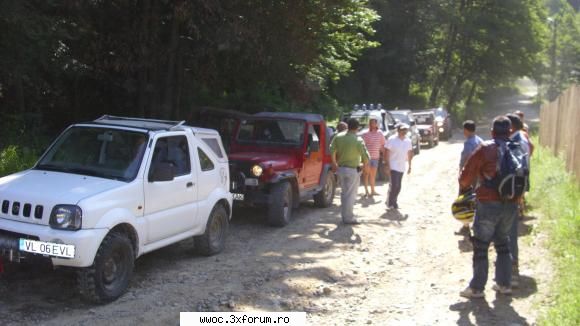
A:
[(399, 151), (348, 151)]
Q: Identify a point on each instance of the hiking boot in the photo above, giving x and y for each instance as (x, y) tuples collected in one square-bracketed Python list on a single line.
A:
[(471, 293), (505, 290)]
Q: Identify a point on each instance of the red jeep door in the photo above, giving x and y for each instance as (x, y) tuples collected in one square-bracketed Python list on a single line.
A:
[(312, 167)]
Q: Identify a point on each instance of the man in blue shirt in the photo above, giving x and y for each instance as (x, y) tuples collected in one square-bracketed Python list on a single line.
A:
[(472, 141)]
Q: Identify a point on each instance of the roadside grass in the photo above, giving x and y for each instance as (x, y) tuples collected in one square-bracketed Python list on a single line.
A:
[(556, 194)]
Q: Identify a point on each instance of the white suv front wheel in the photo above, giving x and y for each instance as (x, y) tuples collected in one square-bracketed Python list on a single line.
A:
[(109, 275)]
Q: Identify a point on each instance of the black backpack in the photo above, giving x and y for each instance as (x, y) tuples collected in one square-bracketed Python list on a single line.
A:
[(512, 171)]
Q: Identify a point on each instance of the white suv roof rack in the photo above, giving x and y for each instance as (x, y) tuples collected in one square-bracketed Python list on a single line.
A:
[(150, 124)]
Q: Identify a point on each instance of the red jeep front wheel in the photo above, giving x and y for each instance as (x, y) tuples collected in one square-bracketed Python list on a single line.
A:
[(280, 206)]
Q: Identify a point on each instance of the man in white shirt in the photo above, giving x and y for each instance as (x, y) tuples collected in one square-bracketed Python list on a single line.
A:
[(399, 151)]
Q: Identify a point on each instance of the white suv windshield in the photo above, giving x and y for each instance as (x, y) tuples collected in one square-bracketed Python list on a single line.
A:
[(278, 132), (101, 152), (402, 117), (424, 119)]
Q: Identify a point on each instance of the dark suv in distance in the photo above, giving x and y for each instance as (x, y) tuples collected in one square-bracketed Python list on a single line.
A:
[(443, 122), (406, 116)]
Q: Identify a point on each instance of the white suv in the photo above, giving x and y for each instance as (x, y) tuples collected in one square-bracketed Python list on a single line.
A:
[(111, 190)]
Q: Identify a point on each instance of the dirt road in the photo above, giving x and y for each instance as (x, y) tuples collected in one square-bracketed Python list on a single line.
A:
[(394, 268)]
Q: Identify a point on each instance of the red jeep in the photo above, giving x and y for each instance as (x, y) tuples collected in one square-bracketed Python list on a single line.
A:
[(280, 159)]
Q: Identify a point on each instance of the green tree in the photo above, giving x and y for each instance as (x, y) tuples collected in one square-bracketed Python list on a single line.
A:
[(562, 52)]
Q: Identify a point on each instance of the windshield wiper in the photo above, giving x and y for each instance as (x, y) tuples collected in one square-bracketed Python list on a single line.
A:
[(51, 167), (95, 174)]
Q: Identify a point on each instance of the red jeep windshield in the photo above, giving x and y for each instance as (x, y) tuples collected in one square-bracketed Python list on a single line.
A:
[(276, 132)]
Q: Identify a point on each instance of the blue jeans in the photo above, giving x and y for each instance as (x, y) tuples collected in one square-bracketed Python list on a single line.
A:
[(493, 222), (395, 188), (514, 250), (349, 182)]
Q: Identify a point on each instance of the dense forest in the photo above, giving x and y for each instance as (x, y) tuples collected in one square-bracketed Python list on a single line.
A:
[(65, 61)]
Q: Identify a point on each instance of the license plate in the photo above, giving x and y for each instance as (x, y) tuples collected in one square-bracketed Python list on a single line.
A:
[(238, 196), (47, 248)]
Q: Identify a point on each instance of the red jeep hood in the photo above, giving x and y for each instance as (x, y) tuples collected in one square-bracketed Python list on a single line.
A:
[(276, 160)]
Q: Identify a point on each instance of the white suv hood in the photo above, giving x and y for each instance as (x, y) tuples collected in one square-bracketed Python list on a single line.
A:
[(47, 188)]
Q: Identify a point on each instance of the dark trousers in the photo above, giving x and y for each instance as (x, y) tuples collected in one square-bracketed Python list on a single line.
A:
[(395, 187)]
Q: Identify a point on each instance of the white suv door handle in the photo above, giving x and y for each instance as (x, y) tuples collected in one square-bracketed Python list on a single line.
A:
[(189, 184)]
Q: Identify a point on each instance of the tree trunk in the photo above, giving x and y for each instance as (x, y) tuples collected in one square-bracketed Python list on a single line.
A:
[(20, 94), (169, 83), (179, 87), (441, 78), (468, 108), (454, 96), (144, 57), (447, 58)]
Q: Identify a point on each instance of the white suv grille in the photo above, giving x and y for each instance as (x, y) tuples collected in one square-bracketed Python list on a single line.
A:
[(23, 210)]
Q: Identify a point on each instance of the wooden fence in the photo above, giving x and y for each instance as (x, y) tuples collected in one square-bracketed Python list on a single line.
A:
[(560, 128)]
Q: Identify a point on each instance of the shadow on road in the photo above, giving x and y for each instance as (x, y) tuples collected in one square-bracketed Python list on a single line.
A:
[(395, 215), (464, 244), (341, 234), (501, 313), (527, 287)]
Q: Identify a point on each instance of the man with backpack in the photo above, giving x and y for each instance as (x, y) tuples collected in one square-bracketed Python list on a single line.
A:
[(498, 163)]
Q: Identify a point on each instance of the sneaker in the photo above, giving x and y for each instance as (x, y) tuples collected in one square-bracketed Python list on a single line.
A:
[(471, 293), (505, 290)]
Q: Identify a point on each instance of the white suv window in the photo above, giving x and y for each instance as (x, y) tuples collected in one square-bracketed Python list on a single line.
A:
[(173, 150), (204, 161), (214, 145)]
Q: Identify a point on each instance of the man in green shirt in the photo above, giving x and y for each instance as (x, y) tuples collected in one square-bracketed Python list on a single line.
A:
[(348, 151)]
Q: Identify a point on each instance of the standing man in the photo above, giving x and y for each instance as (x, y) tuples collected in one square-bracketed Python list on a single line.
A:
[(348, 150), (525, 131), (518, 135), (472, 141), (375, 142), (520, 114), (341, 126), (399, 151), (493, 216)]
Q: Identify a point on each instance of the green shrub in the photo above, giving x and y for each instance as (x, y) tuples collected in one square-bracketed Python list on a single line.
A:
[(14, 159), (556, 194)]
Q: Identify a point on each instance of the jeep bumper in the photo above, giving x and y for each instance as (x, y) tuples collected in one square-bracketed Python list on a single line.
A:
[(85, 242), (248, 191)]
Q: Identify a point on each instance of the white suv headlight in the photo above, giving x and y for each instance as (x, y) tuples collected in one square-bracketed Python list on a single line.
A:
[(66, 217), (257, 170)]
